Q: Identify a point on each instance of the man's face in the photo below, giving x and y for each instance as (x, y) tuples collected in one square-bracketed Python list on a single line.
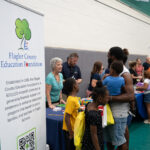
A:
[(73, 61), (110, 59), (148, 60)]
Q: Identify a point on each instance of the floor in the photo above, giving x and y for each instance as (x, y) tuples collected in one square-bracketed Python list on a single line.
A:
[(139, 136)]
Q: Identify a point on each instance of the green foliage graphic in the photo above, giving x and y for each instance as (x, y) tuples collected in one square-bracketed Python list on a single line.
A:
[(22, 30)]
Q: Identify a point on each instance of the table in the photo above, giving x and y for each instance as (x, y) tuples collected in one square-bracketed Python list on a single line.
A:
[(140, 105), (55, 135)]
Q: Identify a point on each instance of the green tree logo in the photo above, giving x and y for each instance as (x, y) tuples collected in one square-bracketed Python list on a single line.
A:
[(22, 30)]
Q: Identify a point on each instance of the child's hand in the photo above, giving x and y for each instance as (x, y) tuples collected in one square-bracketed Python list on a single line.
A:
[(62, 101), (82, 108), (106, 75), (140, 77), (71, 134)]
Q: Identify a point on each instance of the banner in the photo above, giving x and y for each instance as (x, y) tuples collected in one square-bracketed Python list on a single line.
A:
[(22, 73)]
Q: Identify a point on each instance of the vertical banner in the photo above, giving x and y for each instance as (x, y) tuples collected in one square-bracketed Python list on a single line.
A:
[(22, 73)]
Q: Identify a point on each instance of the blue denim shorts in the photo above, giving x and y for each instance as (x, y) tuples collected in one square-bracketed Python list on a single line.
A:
[(115, 133), (147, 98)]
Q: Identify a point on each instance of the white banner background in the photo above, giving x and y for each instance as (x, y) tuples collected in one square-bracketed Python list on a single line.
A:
[(22, 88)]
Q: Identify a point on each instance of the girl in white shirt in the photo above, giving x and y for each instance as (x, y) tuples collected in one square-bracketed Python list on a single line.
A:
[(146, 88)]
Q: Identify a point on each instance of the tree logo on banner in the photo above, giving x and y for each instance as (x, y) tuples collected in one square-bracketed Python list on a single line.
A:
[(23, 32)]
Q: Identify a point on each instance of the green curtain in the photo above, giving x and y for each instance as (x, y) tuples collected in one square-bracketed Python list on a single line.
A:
[(140, 5)]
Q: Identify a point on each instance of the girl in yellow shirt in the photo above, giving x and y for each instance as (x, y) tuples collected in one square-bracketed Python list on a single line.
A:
[(71, 111)]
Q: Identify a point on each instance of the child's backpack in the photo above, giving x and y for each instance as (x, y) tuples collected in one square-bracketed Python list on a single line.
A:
[(79, 128)]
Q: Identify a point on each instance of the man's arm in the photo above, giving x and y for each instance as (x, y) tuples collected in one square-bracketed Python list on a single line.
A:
[(79, 77), (129, 90)]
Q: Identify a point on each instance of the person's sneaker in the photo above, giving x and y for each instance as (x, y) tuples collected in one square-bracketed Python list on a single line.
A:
[(146, 121)]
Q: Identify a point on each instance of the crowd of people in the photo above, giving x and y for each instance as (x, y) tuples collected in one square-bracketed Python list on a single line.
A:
[(115, 86)]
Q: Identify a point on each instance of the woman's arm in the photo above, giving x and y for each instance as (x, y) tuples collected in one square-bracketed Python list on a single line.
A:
[(136, 77), (141, 88), (105, 75), (61, 99), (93, 130), (68, 123), (48, 90)]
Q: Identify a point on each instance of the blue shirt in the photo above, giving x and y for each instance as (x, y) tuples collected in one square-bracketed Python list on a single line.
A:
[(56, 86), (114, 84), (95, 76), (71, 72)]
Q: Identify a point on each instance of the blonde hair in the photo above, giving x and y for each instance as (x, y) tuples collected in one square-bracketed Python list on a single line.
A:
[(53, 62)]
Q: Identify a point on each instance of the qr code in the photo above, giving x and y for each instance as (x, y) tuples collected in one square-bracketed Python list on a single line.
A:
[(27, 141)]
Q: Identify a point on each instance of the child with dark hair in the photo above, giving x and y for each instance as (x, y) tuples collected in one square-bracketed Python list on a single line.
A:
[(71, 111), (114, 82), (93, 135)]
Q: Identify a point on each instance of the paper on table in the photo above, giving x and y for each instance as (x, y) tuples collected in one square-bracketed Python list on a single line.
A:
[(57, 109)]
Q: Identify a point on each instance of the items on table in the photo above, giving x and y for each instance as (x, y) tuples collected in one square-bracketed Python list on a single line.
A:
[(84, 101)]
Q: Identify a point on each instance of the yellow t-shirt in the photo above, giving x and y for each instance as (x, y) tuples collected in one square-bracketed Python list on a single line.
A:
[(72, 106)]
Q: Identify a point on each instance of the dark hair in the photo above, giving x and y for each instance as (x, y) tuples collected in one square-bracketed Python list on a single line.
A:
[(68, 85), (125, 57), (73, 55), (147, 74), (99, 90), (117, 66), (117, 52), (132, 64), (96, 67)]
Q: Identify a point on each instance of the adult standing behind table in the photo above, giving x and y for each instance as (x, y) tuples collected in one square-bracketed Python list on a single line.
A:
[(146, 64), (96, 75), (122, 101), (71, 70), (139, 67), (54, 83), (133, 72)]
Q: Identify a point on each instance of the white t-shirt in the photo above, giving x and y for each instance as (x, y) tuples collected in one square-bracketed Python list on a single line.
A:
[(147, 81), (125, 70)]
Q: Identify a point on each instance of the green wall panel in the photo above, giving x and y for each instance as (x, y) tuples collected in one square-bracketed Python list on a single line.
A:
[(140, 5)]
